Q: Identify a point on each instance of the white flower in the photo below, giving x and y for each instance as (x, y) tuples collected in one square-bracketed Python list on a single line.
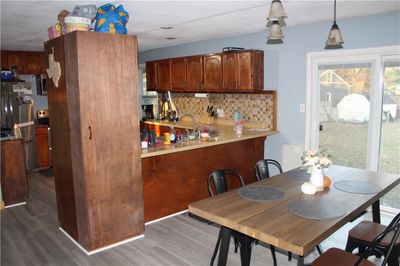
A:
[(313, 159)]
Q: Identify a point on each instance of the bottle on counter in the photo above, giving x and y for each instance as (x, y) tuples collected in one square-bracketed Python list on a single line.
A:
[(172, 135)]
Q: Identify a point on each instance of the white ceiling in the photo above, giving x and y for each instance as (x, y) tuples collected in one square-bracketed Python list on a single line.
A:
[(24, 23)]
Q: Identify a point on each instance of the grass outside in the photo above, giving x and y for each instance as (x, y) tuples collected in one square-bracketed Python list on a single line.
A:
[(347, 142)]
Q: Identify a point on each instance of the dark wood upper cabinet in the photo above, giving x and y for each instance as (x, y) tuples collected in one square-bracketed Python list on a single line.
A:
[(238, 71), (163, 74), (26, 62), (151, 76), (34, 63), (229, 71), (194, 73), (212, 75), (10, 59), (178, 74), (243, 71)]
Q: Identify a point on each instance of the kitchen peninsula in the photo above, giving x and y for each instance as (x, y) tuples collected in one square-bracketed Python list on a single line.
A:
[(175, 175)]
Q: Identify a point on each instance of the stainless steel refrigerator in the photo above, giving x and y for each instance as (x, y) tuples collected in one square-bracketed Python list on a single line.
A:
[(17, 108)]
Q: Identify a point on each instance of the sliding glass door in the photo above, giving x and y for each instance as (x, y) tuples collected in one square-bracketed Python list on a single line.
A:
[(389, 155), (353, 110)]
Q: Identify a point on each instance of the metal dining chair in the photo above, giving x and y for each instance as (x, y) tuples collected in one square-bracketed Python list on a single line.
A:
[(217, 184), (364, 233), (335, 256), (261, 168)]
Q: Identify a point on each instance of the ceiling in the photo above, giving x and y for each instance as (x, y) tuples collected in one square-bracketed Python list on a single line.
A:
[(24, 23)]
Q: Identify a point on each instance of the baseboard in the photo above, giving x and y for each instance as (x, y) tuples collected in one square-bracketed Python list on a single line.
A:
[(91, 252), (15, 205), (165, 217)]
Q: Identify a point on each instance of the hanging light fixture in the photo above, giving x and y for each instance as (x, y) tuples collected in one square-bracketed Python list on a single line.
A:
[(276, 20), (275, 31), (276, 11), (335, 39)]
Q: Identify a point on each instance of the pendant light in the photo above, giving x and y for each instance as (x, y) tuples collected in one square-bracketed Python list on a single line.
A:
[(275, 31), (335, 39), (276, 11), (276, 20)]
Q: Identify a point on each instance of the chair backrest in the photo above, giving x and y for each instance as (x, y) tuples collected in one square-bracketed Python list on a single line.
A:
[(262, 168), (394, 227), (218, 179)]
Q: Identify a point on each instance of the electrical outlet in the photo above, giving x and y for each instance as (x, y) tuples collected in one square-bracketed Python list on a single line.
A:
[(220, 112), (302, 108)]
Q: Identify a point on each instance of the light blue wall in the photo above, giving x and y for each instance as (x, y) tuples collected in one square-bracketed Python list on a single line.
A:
[(285, 64)]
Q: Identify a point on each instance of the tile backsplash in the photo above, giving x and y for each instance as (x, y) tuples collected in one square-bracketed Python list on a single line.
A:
[(254, 107)]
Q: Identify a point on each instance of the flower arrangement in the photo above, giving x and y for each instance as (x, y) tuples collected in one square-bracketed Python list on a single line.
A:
[(319, 159)]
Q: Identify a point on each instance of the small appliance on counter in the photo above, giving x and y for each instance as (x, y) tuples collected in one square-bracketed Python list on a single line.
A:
[(42, 116), (147, 112)]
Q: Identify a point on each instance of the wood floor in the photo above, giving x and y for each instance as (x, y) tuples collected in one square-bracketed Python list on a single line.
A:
[(30, 236)]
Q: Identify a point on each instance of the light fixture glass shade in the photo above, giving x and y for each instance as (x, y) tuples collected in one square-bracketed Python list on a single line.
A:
[(335, 39), (277, 41), (275, 31), (276, 11)]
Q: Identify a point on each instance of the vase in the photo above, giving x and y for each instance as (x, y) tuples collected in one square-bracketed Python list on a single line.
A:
[(317, 178)]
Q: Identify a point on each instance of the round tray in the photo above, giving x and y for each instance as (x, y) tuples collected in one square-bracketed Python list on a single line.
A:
[(316, 209), (357, 187), (260, 193)]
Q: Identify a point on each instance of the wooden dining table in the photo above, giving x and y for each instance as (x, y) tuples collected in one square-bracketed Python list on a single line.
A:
[(273, 222)]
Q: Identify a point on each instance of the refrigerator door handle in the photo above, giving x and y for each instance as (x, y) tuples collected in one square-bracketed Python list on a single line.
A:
[(11, 109), (7, 109)]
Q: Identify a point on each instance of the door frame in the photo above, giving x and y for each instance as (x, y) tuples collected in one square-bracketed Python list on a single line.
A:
[(372, 55)]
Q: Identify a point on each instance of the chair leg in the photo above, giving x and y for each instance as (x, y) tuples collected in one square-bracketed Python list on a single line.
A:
[(319, 249), (236, 244), (393, 259), (351, 245), (289, 256), (272, 248), (216, 248)]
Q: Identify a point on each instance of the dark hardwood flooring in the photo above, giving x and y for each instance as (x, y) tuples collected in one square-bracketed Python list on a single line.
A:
[(30, 235)]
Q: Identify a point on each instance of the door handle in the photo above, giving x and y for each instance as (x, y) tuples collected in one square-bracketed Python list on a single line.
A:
[(90, 132)]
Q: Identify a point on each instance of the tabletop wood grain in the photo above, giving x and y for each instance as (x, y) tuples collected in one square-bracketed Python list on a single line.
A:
[(273, 223)]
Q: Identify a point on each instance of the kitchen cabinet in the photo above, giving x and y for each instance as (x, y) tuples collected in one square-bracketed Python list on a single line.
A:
[(95, 152), (31, 63), (229, 71), (194, 73), (238, 71), (174, 180), (14, 181), (42, 146), (178, 74), (243, 71), (212, 75), (151, 76), (163, 74)]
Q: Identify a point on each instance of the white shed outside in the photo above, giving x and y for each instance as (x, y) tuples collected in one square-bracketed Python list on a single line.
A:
[(354, 108)]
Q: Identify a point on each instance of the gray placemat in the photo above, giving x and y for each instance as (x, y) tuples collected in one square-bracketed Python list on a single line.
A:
[(316, 209), (298, 174), (357, 187), (260, 193)]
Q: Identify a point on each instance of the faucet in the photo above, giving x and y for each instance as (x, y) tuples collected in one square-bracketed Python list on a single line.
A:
[(193, 119)]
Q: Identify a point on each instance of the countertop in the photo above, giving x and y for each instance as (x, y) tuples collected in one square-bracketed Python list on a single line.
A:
[(225, 135)]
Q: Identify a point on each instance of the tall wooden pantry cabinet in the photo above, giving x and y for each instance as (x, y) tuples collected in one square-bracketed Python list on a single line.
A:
[(95, 136)]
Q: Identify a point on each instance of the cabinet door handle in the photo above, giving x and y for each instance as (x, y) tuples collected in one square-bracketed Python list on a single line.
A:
[(90, 132)]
